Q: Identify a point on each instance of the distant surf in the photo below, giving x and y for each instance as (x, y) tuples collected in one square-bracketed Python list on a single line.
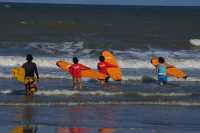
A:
[(127, 59), (103, 98), (195, 42)]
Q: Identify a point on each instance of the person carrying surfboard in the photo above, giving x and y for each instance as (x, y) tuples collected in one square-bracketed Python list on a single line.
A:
[(102, 66), (161, 70), (30, 72), (172, 71), (75, 71)]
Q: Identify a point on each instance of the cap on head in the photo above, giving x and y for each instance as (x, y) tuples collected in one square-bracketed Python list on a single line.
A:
[(75, 60), (29, 57), (161, 60), (101, 58)]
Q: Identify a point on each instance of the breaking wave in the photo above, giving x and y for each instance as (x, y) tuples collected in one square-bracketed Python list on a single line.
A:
[(142, 98), (164, 103), (50, 62)]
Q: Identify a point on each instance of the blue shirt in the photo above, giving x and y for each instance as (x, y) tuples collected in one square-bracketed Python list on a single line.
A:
[(162, 70)]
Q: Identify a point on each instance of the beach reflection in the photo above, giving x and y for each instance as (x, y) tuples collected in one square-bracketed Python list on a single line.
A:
[(26, 117), (85, 130), (24, 129), (106, 130)]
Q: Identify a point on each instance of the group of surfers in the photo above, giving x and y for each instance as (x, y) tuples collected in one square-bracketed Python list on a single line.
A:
[(76, 68)]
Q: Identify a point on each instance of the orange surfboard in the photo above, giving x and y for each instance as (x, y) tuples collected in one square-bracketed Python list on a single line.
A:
[(89, 73), (114, 72), (106, 130), (171, 70), (72, 130)]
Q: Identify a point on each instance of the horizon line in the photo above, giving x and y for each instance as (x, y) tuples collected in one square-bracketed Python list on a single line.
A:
[(87, 4)]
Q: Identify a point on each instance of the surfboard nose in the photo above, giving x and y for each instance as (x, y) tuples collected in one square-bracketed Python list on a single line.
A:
[(57, 63)]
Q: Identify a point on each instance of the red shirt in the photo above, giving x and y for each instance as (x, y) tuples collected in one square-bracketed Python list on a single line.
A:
[(75, 70), (102, 67)]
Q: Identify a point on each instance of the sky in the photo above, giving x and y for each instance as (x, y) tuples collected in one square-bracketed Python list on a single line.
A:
[(116, 2)]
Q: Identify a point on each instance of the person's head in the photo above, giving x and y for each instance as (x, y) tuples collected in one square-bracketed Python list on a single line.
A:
[(101, 58), (161, 60), (75, 60), (29, 57)]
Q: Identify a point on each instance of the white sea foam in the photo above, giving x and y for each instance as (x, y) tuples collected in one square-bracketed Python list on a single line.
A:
[(137, 61), (101, 93), (179, 103), (140, 78), (70, 49), (50, 62), (195, 42), (105, 93), (54, 48), (48, 69), (125, 77), (70, 93)]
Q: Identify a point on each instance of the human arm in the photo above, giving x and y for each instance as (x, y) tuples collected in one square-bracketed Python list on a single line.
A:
[(98, 68), (110, 65), (155, 69), (71, 69), (84, 67), (23, 65), (168, 65), (36, 72)]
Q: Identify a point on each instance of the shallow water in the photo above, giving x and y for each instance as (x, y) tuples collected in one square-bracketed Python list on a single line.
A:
[(59, 92), (131, 107), (119, 118), (135, 34)]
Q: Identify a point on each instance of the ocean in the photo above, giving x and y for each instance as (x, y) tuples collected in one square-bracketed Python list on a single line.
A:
[(134, 34)]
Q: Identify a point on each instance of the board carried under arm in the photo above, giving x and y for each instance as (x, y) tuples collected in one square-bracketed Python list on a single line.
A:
[(172, 71), (114, 72), (30, 83), (88, 73), (19, 74)]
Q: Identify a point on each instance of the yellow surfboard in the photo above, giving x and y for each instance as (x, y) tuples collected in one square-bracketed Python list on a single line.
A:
[(89, 73), (19, 129), (114, 72), (24, 129), (171, 70), (19, 74)]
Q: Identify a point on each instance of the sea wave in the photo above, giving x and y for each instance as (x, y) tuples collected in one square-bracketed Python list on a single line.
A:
[(82, 48), (56, 48), (100, 93), (103, 98), (195, 42), (50, 62), (124, 78), (163, 103)]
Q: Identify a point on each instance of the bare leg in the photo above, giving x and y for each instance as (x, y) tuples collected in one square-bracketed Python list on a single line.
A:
[(74, 83), (79, 83), (103, 84)]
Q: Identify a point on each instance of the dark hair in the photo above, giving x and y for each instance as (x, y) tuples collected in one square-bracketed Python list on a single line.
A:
[(101, 58), (75, 60), (29, 57), (161, 60)]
